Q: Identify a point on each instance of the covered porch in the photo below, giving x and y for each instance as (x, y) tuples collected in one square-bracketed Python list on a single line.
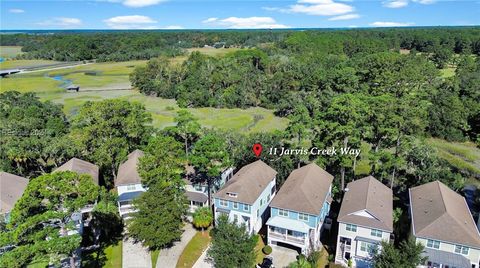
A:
[(284, 230)]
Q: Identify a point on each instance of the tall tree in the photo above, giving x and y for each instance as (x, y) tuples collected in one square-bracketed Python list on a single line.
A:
[(163, 160), (299, 129), (109, 130), (342, 126), (41, 222), (210, 157), (158, 226), (30, 134), (187, 128), (231, 245), (408, 255)]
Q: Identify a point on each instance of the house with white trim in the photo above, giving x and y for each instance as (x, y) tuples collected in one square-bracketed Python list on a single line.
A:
[(364, 221), (129, 183), (244, 199), (299, 209), (442, 222)]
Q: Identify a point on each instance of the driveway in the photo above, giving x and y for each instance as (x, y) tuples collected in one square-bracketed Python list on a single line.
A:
[(169, 257), (135, 255), (282, 257)]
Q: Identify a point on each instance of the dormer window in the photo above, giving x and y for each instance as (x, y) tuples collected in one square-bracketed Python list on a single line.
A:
[(234, 195)]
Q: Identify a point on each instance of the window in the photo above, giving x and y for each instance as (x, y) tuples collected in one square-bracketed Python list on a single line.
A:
[(367, 247), (245, 207), (258, 213), (261, 202), (223, 203), (433, 244), (282, 212), (232, 195), (351, 227), (268, 197), (235, 218), (461, 249), (235, 205), (302, 217), (131, 187), (376, 233)]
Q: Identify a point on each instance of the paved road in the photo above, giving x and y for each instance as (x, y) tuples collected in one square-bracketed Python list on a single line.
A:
[(135, 255), (201, 262), (169, 257)]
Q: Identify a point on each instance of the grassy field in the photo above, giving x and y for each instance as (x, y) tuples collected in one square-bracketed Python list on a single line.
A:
[(463, 156), (10, 51), (194, 250), (100, 81), (258, 250)]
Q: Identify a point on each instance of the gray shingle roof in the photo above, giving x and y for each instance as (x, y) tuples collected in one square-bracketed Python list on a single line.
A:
[(372, 196), (305, 190), (248, 183), (11, 189), (81, 167), (440, 213), (127, 171)]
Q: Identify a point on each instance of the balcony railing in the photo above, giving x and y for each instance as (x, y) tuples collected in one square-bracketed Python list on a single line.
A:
[(286, 237)]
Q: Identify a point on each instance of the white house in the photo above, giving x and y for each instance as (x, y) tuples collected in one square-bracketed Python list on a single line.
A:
[(128, 183), (442, 222), (364, 221), (299, 209), (197, 192), (245, 197)]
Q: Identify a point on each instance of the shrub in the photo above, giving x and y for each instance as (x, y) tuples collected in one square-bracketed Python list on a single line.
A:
[(267, 250)]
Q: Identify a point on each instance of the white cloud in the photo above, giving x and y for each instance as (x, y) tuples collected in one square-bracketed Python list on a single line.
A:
[(210, 20), (61, 22), (345, 17), (425, 2), (329, 8), (131, 22), (316, 8), (395, 3), (390, 24), (16, 10), (245, 23), (404, 3), (173, 27), (135, 3)]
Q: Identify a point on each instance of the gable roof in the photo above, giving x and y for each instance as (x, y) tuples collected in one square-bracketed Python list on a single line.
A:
[(248, 183), (127, 171), (440, 213), (81, 167), (371, 196), (11, 189), (305, 190)]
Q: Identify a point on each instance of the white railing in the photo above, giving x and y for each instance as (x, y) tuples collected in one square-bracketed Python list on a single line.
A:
[(286, 237)]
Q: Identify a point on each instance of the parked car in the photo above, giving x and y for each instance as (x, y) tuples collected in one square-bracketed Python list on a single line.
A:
[(266, 263)]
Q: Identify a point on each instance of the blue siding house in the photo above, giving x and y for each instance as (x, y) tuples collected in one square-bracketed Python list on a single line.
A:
[(299, 209), (245, 197)]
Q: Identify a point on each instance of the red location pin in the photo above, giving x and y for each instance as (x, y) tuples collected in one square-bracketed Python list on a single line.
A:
[(257, 149)]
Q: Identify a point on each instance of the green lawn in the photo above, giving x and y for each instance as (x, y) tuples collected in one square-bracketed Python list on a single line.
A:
[(154, 256), (194, 249), (11, 64), (10, 51), (110, 257), (258, 250)]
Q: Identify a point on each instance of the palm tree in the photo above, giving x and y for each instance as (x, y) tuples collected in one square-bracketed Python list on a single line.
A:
[(202, 218)]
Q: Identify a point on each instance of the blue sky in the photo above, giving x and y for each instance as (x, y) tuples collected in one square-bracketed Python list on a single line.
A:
[(214, 14)]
